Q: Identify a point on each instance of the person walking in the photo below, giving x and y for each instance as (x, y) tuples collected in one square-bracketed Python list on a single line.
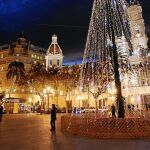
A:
[(113, 111), (1, 112), (129, 108), (53, 117)]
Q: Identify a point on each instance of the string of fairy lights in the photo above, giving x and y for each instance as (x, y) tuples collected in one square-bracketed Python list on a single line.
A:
[(97, 70)]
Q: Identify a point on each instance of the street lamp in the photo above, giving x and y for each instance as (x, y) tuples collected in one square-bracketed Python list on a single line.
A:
[(79, 98), (48, 91), (41, 94), (61, 93), (52, 93), (30, 100)]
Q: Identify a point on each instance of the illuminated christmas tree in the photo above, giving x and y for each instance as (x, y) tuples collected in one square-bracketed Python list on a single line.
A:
[(107, 50)]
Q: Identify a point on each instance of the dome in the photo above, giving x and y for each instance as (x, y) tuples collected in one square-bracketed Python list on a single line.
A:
[(54, 55), (54, 48), (22, 38), (22, 35)]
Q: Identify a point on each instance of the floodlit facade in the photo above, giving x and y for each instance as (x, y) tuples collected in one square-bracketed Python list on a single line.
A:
[(28, 95), (20, 51), (136, 86)]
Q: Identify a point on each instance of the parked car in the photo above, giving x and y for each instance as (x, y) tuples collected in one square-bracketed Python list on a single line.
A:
[(103, 110), (63, 110), (76, 110), (48, 111), (58, 110), (42, 111), (92, 110), (83, 110)]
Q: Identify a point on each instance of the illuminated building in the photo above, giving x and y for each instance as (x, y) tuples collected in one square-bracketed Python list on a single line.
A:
[(54, 56), (135, 83)]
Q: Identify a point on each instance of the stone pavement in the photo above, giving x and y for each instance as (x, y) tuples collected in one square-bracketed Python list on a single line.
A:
[(32, 132)]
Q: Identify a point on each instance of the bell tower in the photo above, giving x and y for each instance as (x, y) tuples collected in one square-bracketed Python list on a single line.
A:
[(139, 38)]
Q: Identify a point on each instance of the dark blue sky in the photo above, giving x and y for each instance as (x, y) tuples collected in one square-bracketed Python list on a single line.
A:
[(39, 19)]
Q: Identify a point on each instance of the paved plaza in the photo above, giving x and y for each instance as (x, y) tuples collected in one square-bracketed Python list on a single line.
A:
[(32, 132)]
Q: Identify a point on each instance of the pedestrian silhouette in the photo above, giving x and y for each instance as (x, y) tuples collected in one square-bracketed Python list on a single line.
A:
[(113, 111), (1, 112), (53, 117)]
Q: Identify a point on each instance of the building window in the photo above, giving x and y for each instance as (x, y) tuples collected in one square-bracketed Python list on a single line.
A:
[(138, 31), (17, 54), (33, 56), (22, 90), (38, 57), (2, 55), (50, 62), (57, 62), (2, 68)]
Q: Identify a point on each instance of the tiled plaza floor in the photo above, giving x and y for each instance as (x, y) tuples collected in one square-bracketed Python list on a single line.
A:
[(32, 132)]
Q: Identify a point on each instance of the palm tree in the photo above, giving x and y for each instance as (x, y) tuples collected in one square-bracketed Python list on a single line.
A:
[(37, 75), (15, 73), (2, 94)]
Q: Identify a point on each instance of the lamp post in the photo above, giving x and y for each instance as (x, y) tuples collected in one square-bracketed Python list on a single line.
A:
[(41, 94), (78, 98), (49, 91), (52, 93)]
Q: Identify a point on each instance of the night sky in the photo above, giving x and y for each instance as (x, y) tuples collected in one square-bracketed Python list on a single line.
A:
[(39, 19)]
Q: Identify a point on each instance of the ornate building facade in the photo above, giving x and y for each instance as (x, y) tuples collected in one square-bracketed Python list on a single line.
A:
[(22, 50), (19, 51), (137, 81)]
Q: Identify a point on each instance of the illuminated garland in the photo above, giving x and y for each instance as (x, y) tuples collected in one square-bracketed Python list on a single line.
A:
[(98, 66)]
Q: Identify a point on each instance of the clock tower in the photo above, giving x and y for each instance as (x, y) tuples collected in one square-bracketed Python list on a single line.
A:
[(138, 37)]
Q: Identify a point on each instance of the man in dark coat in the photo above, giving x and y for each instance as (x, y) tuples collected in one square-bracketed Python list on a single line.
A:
[(113, 111), (1, 112), (53, 117)]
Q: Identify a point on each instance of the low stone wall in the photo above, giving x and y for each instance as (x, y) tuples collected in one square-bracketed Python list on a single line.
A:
[(106, 128)]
